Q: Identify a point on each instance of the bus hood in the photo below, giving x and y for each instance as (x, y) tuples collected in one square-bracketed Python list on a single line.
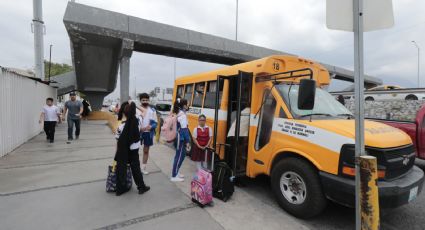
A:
[(377, 134)]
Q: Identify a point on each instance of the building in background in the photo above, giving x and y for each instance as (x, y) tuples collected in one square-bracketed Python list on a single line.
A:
[(159, 94)]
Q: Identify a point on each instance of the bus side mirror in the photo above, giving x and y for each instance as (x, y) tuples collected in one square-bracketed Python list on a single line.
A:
[(306, 94)]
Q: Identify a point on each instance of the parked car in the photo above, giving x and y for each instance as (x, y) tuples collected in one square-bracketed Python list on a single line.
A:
[(415, 129), (162, 110)]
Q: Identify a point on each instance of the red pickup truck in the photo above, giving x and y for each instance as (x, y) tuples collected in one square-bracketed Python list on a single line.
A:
[(416, 130)]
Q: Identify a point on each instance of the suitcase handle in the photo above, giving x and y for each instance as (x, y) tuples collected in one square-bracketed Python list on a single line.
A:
[(213, 151), (206, 158)]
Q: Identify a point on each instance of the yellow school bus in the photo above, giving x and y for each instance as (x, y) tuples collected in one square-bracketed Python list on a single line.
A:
[(266, 123)]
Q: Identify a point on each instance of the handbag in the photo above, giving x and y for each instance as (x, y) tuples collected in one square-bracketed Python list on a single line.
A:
[(111, 180)]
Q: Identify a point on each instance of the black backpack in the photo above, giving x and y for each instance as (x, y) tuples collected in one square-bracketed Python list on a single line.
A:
[(223, 186)]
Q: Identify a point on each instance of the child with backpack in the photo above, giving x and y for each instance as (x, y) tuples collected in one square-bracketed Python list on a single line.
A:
[(183, 138), (202, 136)]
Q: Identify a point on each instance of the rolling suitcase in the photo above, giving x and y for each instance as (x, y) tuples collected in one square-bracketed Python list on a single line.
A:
[(201, 185), (223, 186)]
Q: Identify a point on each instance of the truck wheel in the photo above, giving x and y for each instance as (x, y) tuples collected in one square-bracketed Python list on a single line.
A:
[(412, 97), (369, 99), (297, 188)]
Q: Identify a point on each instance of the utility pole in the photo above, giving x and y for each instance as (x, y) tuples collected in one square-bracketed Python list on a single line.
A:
[(38, 27), (237, 11), (419, 52), (359, 97), (50, 60), (175, 69)]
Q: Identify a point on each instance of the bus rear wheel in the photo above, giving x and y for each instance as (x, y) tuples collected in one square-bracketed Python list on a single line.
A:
[(369, 99), (297, 188)]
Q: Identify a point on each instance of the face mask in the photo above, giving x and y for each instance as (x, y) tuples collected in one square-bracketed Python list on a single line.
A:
[(145, 104)]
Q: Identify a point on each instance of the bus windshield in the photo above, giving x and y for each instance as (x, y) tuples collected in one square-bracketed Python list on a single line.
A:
[(325, 105)]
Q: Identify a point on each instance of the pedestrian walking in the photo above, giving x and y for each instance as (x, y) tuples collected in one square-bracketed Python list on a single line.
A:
[(202, 136), (149, 124), (74, 108), (128, 137), (86, 109), (183, 137), (50, 115)]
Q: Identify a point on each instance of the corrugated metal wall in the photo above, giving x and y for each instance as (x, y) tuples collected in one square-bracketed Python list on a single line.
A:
[(21, 100)]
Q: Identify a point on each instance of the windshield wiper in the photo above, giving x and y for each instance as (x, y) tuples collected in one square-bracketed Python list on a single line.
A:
[(318, 114)]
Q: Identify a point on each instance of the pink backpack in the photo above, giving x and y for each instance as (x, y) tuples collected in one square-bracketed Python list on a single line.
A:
[(169, 128)]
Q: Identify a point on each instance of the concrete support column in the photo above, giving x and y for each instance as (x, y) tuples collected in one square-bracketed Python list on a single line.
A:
[(125, 55), (124, 78)]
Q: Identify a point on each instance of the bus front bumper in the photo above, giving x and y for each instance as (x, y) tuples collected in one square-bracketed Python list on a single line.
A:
[(392, 194)]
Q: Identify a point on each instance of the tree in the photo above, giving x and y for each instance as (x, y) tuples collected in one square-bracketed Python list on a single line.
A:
[(56, 68)]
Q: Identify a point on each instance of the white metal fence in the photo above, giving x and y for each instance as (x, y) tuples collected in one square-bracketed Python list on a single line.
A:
[(21, 100)]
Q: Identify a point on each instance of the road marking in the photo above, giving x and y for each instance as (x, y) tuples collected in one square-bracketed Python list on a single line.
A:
[(60, 186), (141, 219), (51, 187), (49, 149), (55, 163)]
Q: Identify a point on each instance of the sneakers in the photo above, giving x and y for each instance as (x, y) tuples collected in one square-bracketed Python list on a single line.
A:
[(177, 179), (143, 190), (144, 169), (69, 141), (180, 175)]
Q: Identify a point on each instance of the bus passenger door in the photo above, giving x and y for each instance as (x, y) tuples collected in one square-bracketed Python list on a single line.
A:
[(238, 118)]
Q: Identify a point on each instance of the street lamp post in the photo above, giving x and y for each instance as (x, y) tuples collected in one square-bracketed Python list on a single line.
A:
[(237, 11), (419, 51), (50, 59)]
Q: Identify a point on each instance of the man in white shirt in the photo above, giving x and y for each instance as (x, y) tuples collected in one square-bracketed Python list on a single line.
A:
[(50, 114)]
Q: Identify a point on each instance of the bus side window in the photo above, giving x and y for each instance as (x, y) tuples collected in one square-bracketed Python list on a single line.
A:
[(179, 90), (188, 94), (265, 125), (199, 94), (210, 94), (282, 113)]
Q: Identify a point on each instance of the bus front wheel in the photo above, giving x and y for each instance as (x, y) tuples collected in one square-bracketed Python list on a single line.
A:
[(296, 185)]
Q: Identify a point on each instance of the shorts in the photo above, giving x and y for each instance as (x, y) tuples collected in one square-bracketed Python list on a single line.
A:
[(146, 139)]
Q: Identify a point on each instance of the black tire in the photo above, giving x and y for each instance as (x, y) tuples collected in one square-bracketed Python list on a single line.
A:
[(411, 97), (315, 200), (369, 99)]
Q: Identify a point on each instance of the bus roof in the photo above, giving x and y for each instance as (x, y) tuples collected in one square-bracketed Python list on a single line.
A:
[(264, 66)]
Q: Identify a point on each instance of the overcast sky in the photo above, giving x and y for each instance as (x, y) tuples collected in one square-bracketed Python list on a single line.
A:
[(297, 27)]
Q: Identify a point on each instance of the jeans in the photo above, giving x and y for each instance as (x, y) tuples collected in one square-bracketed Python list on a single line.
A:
[(49, 129), (71, 127)]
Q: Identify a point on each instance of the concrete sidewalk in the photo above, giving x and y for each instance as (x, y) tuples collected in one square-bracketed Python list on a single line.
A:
[(62, 186), (242, 211)]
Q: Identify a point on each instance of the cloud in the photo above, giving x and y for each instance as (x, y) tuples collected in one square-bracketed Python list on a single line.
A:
[(296, 27)]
